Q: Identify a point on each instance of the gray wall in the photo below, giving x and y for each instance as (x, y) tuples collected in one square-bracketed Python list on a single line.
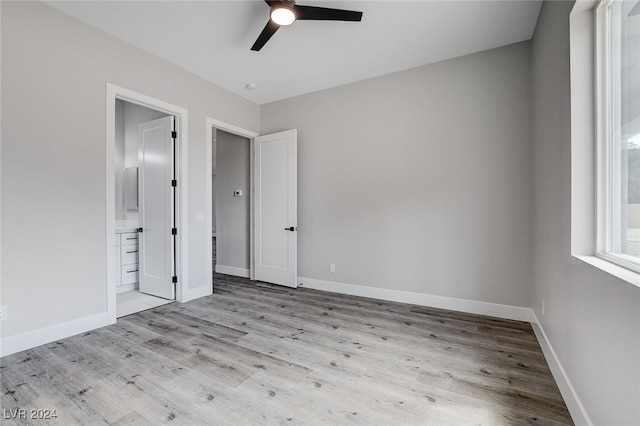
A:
[(420, 180), (54, 75), (591, 318), (232, 213)]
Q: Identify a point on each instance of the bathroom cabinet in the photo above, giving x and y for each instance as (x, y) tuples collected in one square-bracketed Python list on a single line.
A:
[(127, 261)]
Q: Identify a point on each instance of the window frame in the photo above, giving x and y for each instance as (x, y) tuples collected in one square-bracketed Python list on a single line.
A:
[(608, 144)]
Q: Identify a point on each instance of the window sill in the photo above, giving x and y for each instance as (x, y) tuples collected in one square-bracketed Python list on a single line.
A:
[(612, 269)]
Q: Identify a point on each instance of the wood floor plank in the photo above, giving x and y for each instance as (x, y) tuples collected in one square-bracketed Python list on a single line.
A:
[(186, 353), (132, 419), (189, 324), (259, 354)]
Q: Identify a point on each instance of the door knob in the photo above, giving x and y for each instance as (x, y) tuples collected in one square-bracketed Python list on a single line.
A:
[(291, 228)]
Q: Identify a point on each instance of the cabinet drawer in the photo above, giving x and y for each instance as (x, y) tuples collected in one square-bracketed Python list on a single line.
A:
[(129, 255), (129, 238), (130, 274)]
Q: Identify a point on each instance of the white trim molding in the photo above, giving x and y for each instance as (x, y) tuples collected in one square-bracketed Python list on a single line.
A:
[(574, 404), (41, 336), (516, 313), (230, 128), (232, 270)]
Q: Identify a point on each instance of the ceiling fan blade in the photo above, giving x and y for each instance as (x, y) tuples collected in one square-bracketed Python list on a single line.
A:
[(273, 3), (265, 35), (313, 13)]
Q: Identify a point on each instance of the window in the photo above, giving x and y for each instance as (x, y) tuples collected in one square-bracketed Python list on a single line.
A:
[(618, 131)]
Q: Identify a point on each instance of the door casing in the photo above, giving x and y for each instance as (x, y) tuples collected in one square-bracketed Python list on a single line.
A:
[(114, 92)]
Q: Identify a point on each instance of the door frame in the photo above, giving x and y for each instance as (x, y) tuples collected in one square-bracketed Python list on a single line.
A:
[(229, 128), (113, 93)]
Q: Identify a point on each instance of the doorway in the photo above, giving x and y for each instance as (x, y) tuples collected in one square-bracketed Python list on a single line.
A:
[(231, 204), (233, 253), (158, 130), (144, 206), (272, 201)]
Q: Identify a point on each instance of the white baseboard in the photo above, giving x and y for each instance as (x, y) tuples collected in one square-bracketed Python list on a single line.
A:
[(20, 342), (574, 405), (232, 270), (517, 313)]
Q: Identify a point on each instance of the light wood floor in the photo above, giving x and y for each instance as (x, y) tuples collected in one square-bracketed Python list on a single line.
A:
[(261, 354)]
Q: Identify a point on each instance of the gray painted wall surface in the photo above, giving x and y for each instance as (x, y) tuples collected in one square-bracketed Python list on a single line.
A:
[(420, 180), (591, 318), (54, 75), (232, 213)]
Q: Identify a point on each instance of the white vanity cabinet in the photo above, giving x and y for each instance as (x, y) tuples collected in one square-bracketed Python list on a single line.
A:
[(127, 261)]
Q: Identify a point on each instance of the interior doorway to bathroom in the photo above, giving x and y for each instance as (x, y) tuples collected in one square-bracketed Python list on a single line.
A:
[(166, 259), (144, 207)]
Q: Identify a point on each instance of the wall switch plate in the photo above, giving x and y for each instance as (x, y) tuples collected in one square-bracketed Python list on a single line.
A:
[(332, 267), (3, 313)]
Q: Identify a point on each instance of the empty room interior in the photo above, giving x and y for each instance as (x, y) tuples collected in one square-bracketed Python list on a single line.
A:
[(378, 212)]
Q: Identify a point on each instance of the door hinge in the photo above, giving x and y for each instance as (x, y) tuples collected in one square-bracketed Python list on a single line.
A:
[(174, 279), (174, 182), (174, 231), (174, 134)]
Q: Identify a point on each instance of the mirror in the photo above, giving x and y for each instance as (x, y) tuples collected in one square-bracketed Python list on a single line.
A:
[(131, 188)]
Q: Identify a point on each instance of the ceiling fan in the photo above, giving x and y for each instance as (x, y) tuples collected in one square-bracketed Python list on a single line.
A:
[(286, 12)]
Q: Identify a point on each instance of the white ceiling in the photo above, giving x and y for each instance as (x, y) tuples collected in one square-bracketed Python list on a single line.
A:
[(212, 39)]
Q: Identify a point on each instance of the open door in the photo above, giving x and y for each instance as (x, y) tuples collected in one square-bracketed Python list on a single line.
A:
[(276, 215), (156, 207)]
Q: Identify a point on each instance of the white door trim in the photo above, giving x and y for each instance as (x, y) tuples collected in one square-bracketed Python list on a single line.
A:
[(230, 128), (114, 92)]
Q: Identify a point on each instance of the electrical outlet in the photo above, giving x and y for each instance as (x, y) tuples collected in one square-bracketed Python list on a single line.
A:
[(332, 267), (542, 306), (3, 313)]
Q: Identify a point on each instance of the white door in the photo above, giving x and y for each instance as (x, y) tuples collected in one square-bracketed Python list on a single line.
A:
[(156, 209), (275, 206)]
